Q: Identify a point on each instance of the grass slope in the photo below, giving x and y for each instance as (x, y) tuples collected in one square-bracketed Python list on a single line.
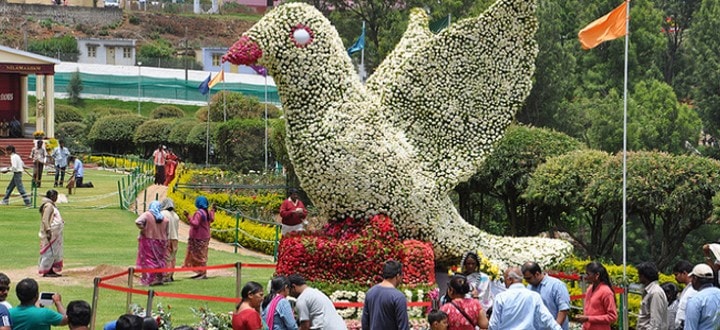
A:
[(101, 239)]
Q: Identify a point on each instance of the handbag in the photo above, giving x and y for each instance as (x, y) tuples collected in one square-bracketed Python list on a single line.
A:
[(466, 316)]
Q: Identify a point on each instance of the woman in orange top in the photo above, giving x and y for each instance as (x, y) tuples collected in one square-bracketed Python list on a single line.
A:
[(599, 310)]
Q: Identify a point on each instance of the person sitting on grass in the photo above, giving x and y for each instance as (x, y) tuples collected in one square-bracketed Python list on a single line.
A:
[(79, 173)]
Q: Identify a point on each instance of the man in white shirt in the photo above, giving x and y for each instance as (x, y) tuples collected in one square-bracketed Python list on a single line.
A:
[(16, 167), (653, 309), (314, 308), (682, 271), (60, 154)]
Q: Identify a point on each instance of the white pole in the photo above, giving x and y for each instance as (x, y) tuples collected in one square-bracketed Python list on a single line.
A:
[(139, 83), (266, 125), (624, 197), (362, 55), (207, 133)]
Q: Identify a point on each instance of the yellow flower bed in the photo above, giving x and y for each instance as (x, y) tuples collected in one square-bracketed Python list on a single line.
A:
[(574, 265), (252, 235)]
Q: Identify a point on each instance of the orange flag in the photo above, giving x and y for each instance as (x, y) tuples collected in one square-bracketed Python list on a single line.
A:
[(609, 27), (218, 78)]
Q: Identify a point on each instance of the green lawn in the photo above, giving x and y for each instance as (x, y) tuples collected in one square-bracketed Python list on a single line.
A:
[(101, 239)]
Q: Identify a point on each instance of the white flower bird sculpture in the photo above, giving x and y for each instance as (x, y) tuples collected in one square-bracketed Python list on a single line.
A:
[(424, 122)]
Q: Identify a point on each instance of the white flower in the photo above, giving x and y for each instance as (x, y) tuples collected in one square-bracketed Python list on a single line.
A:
[(425, 121)]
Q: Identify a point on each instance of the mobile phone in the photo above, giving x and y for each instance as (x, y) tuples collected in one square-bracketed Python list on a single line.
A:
[(46, 298)]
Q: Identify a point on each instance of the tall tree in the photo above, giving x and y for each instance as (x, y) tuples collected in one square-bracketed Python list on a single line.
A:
[(505, 173), (560, 186), (705, 59), (678, 20)]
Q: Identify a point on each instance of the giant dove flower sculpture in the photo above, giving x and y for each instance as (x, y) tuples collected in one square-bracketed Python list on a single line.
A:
[(424, 121)]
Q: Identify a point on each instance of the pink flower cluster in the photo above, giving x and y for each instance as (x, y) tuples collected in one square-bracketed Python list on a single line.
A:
[(243, 52)]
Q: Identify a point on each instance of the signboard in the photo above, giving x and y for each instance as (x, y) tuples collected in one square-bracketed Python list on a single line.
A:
[(28, 68), (9, 96)]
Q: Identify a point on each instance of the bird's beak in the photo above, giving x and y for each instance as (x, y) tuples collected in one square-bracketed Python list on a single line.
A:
[(243, 52)]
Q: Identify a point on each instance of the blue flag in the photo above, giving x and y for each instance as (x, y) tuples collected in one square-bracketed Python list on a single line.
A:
[(359, 43), (204, 87)]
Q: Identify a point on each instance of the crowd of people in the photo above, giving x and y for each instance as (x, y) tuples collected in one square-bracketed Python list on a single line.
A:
[(39, 156), (158, 239)]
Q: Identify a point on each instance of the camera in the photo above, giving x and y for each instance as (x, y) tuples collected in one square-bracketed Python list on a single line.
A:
[(46, 298)]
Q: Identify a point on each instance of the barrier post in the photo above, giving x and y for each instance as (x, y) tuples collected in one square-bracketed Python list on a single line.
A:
[(238, 278), (144, 200), (120, 194), (148, 309), (131, 274), (275, 245), (96, 292)]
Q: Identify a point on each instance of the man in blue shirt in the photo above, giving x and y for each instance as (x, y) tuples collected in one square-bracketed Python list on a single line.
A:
[(79, 173), (520, 308), (5, 323), (385, 307), (703, 309), (553, 292), (27, 316)]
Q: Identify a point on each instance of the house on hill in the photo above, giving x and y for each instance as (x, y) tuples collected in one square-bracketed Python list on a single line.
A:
[(106, 51)]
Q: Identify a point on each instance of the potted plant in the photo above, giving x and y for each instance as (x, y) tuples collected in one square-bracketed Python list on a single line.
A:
[(39, 135)]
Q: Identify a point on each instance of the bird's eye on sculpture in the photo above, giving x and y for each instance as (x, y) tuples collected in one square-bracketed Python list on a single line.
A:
[(302, 35)]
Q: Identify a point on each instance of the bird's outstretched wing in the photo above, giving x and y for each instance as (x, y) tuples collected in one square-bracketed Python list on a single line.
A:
[(456, 93), (415, 37)]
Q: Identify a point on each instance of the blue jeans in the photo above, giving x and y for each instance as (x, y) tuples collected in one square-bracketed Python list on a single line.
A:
[(16, 181)]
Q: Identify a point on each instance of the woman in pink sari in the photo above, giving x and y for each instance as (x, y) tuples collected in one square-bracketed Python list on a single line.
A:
[(51, 236), (152, 243), (199, 236)]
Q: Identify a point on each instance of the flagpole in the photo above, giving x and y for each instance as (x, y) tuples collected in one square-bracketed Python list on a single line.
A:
[(266, 125), (624, 201), (207, 132)]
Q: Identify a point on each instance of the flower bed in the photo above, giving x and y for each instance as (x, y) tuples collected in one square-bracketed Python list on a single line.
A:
[(352, 251)]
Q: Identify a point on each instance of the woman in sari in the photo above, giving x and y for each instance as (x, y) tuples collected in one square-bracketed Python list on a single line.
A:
[(199, 237), (276, 310), (51, 236), (479, 282), (152, 243)]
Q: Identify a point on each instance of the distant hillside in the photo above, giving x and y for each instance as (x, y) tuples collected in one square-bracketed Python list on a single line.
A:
[(202, 30)]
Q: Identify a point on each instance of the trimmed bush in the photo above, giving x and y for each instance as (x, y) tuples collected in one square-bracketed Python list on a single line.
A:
[(152, 133), (67, 113), (167, 111), (74, 134), (115, 133), (240, 143)]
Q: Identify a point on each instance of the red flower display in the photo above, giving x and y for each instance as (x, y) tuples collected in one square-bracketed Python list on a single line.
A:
[(352, 251)]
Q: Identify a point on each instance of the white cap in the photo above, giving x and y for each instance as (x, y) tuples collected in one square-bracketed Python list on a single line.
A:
[(702, 271)]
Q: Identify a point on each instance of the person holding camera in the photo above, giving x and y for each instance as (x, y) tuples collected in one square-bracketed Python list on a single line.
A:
[(27, 316)]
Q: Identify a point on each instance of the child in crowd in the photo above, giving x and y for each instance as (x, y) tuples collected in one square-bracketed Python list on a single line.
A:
[(437, 320), (4, 289)]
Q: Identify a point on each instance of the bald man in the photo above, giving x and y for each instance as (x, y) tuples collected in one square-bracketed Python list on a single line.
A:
[(520, 308)]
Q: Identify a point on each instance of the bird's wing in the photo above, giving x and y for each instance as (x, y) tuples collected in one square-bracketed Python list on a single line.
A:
[(455, 95), (415, 37)]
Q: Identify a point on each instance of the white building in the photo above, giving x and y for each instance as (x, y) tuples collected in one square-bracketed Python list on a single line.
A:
[(106, 51)]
